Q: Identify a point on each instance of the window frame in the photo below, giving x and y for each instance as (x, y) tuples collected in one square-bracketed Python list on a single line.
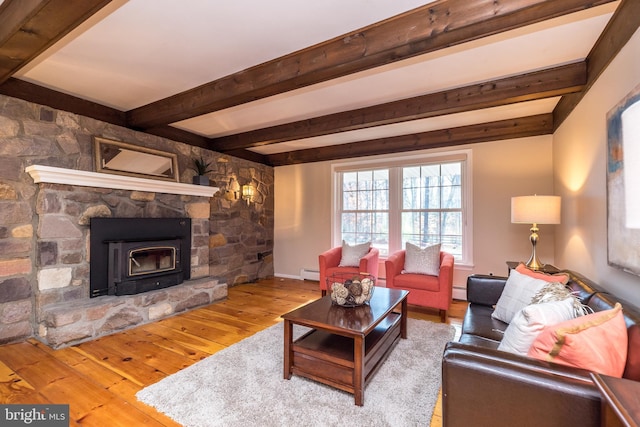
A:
[(395, 165)]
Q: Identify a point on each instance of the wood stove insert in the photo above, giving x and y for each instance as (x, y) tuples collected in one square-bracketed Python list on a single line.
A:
[(134, 255)]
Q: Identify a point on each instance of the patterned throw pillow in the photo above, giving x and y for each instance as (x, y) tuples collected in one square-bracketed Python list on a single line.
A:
[(422, 261), (351, 254), (554, 291), (517, 294)]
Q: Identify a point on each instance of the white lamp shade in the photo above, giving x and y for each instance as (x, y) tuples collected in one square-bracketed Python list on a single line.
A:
[(535, 210)]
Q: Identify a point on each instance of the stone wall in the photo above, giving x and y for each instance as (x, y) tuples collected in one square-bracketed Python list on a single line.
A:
[(44, 227)]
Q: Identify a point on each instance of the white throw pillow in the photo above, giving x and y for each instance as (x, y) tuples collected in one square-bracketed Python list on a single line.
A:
[(351, 254), (527, 324), (517, 294), (422, 261)]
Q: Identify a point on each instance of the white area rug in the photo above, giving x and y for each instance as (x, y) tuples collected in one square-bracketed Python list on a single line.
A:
[(243, 385)]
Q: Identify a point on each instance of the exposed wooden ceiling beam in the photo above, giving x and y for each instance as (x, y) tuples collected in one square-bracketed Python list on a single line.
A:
[(41, 95), (250, 155), (526, 87), (180, 135), (621, 27), (426, 29), (28, 27), (196, 140), (33, 25), (61, 101), (494, 131)]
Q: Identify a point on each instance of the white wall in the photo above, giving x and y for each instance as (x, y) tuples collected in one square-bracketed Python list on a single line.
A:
[(302, 223), (501, 169), (580, 154)]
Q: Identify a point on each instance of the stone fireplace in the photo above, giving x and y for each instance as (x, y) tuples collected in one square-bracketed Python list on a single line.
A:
[(160, 239), (44, 235)]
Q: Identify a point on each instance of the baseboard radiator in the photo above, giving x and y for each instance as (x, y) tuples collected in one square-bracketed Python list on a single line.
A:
[(309, 274)]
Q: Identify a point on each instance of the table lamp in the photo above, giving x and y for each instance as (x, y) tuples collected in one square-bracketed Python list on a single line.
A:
[(535, 210)]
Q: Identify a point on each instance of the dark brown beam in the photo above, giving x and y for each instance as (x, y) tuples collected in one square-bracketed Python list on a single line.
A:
[(180, 135), (426, 29), (621, 27), (186, 137), (39, 95), (494, 131), (54, 99), (250, 155), (526, 87), (29, 27)]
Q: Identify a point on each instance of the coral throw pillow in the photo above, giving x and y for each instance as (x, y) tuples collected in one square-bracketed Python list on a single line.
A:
[(597, 342), (558, 277)]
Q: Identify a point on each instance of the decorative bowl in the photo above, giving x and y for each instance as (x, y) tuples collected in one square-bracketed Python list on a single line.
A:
[(349, 289)]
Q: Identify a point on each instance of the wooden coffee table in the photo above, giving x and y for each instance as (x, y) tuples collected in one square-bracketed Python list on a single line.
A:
[(346, 345)]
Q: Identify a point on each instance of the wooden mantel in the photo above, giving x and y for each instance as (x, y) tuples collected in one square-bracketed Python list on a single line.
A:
[(54, 175)]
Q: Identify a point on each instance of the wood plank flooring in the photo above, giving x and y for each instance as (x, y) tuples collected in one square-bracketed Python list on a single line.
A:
[(99, 379)]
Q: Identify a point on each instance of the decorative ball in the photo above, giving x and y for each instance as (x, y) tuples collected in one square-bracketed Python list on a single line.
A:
[(351, 290)]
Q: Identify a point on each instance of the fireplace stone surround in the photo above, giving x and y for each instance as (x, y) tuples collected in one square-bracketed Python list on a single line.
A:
[(65, 313)]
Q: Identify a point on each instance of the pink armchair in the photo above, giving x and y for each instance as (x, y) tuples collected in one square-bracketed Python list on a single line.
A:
[(330, 259), (424, 290)]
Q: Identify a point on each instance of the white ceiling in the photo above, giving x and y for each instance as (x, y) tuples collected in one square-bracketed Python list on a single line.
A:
[(139, 51)]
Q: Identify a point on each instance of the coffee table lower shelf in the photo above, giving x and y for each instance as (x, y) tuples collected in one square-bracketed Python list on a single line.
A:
[(329, 358)]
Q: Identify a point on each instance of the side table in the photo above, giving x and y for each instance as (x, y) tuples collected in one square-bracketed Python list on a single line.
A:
[(547, 268), (620, 400)]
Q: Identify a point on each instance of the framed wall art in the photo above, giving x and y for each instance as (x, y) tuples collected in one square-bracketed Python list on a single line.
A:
[(623, 184)]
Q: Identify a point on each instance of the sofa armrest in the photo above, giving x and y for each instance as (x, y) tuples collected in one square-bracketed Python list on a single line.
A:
[(330, 258), (446, 274), (484, 289), (487, 387), (369, 262), (393, 266)]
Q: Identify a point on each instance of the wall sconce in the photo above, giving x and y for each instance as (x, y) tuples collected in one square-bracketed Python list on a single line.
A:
[(248, 192), (535, 210), (234, 187)]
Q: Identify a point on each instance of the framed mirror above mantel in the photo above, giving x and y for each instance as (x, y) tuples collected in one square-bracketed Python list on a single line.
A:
[(120, 158)]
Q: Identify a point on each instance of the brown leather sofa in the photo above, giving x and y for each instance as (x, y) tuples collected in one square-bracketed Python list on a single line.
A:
[(482, 386)]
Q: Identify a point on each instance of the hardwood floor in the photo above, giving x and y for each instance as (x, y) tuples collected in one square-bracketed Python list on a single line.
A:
[(99, 379)]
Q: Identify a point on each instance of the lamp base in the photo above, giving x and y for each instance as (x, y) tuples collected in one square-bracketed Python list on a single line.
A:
[(534, 263)]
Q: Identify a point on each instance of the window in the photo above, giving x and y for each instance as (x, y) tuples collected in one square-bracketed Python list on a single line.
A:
[(432, 206), (365, 207), (423, 201)]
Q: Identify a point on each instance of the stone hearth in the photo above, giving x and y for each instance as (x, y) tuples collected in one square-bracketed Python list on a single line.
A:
[(64, 325)]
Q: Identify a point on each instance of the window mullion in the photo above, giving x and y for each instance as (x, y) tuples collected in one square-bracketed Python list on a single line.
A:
[(395, 209)]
